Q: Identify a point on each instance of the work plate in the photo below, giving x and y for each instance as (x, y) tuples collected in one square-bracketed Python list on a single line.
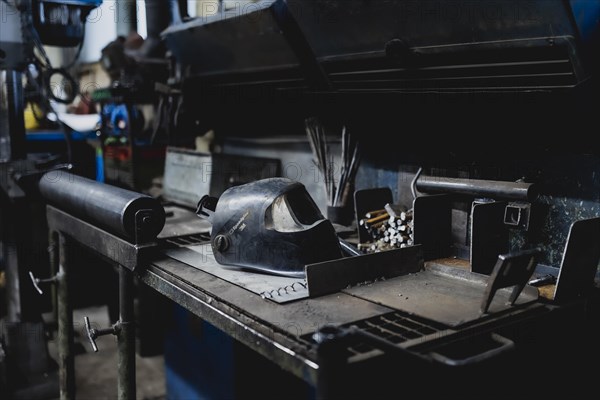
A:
[(276, 288), (443, 294)]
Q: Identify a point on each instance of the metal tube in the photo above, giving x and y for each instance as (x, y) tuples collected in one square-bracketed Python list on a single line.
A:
[(479, 188), (65, 324), (126, 337), (109, 207)]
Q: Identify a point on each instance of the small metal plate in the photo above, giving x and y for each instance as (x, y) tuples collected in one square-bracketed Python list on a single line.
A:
[(580, 260), (333, 276), (182, 222), (276, 288), (489, 235), (433, 225), (443, 294)]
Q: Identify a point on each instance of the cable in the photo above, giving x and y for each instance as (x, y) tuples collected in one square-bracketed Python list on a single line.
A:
[(48, 74), (79, 49), (47, 71)]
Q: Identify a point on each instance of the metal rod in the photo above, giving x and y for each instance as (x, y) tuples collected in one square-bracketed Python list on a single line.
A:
[(54, 266), (482, 188), (65, 324), (109, 207), (348, 248), (126, 336)]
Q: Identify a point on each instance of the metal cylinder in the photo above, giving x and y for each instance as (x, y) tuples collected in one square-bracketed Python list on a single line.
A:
[(116, 210), (478, 188)]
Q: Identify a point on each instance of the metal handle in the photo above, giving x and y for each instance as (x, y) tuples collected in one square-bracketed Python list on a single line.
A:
[(505, 346), (93, 334), (36, 282)]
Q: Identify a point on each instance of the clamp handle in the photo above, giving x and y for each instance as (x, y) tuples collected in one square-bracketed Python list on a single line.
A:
[(93, 333), (36, 282)]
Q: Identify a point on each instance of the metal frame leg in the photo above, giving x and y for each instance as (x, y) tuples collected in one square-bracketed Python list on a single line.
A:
[(126, 336), (65, 324)]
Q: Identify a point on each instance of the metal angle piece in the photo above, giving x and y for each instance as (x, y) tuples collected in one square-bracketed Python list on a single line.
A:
[(510, 270), (580, 260), (332, 276)]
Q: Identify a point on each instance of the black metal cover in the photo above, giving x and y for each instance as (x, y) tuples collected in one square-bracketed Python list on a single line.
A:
[(396, 45)]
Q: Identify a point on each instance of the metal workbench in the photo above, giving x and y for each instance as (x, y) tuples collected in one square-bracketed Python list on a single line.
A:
[(281, 333), (284, 333)]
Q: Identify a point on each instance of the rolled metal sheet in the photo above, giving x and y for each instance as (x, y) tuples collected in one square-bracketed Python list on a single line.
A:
[(109, 207)]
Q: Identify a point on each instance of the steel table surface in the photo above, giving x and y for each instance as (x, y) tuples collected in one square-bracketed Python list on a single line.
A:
[(271, 329)]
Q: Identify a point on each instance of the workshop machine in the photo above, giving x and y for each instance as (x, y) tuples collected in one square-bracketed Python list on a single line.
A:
[(24, 27), (135, 124)]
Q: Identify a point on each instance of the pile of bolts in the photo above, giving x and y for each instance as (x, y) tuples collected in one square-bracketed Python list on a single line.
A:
[(389, 228)]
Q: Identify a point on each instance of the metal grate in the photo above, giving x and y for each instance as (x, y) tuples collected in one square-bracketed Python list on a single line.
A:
[(396, 327)]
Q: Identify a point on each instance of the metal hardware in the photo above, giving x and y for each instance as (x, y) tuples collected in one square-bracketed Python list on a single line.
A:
[(36, 282), (66, 354), (478, 188), (510, 270), (94, 334), (365, 201), (542, 280), (348, 248), (580, 261), (505, 345), (489, 236), (221, 243), (109, 207), (124, 329), (390, 228), (517, 215), (331, 276), (119, 250), (432, 225)]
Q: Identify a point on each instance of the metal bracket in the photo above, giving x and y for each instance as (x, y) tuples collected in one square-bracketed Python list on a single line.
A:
[(510, 270), (142, 218), (489, 235), (517, 215)]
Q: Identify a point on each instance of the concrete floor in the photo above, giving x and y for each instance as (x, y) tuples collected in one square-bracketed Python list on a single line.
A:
[(96, 373)]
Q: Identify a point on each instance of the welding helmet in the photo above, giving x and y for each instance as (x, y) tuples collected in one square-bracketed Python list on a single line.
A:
[(272, 226)]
